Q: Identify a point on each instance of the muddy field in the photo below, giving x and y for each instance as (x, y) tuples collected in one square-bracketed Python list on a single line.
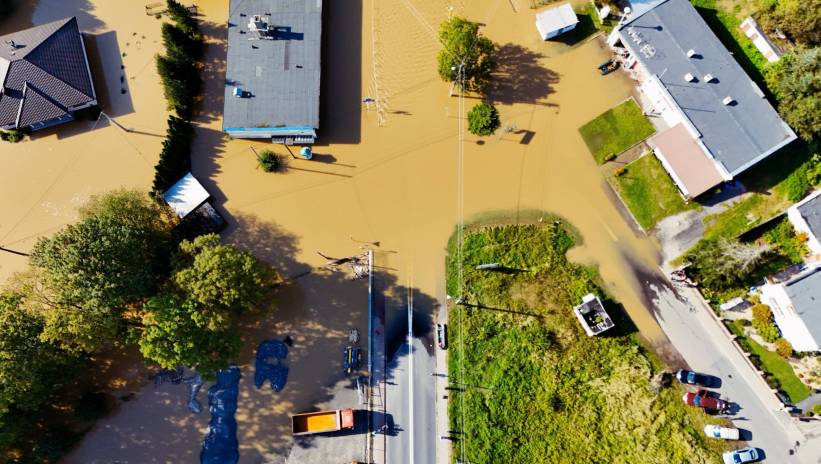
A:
[(386, 173)]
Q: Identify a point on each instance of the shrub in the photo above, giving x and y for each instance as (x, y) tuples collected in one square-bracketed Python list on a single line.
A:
[(763, 323), (801, 181), (816, 408), (783, 348), (483, 119), (772, 382), (270, 161), (762, 313), (175, 157), (13, 135)]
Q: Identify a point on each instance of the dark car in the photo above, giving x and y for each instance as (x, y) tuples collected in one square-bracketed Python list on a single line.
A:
[(694, 378), (442, 335), (351, 360)]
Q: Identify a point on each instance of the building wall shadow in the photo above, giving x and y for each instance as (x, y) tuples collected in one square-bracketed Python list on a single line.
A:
[(213, 71), (109, 74), (341, 83)]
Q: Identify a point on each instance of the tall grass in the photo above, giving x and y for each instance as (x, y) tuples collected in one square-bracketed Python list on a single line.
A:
[(536, 389)]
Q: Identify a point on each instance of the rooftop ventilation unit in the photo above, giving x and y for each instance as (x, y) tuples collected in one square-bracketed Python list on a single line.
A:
[(728, 100), (689, 77), (708, 77), (691, 53), (261, 27)]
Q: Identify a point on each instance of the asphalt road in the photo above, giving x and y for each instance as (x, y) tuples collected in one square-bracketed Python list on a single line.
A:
[(700, 341), (410, 404)]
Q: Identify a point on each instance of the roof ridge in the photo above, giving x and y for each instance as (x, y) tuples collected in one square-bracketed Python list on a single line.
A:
[(45, 39), (26, 86), (58, 79)]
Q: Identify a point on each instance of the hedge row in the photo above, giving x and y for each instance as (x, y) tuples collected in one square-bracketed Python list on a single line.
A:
[(179, 71)]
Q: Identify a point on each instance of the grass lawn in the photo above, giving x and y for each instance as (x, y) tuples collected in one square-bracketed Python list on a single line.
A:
[(536, 389), (648, 191), (616, 130), (774, 365)]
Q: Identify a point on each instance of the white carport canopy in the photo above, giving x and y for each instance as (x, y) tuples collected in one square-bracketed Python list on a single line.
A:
[(186, 195)]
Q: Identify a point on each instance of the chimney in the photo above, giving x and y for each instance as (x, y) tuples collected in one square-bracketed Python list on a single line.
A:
[(708, 77), (728, 100), (691, 53)]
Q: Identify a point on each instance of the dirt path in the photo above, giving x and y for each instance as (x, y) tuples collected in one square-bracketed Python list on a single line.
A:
[(386, 174)]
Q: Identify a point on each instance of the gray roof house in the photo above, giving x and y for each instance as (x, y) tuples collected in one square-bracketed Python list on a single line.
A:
[(45, 76), (273, 70), (805, 216), (796, 306), (718, 121)]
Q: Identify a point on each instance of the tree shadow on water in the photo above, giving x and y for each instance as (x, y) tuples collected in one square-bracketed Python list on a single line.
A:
[(520, 77)]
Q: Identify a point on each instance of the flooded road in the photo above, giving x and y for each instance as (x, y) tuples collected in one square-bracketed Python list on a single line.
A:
[(386, 172)]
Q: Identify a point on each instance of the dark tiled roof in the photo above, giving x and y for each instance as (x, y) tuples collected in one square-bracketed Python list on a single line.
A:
[(49, 59)]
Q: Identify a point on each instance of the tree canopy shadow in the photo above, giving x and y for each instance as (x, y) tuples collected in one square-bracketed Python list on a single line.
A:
[(520, 76)]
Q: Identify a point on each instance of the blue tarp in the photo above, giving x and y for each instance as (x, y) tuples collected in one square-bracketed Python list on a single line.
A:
[(266, 370), (220, 445)]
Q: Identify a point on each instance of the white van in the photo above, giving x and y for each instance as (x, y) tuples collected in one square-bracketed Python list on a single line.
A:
[(724, 433)]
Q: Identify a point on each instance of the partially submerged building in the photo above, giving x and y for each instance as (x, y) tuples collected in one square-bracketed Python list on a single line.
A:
[(45, 76), (796, 307), (189, 201), (805, 217), (719, 123), (556, 21), (273, 70), (592, 316)]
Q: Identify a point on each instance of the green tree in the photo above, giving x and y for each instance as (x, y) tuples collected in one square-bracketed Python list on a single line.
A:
[(30, 369), (800, 19), (177, 333), (483, 119), (795, 80), (725, 263), (88, 273), (462, 44), (218, 276)]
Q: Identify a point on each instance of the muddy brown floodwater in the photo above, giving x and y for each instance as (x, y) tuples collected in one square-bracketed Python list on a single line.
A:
[(385, 173)]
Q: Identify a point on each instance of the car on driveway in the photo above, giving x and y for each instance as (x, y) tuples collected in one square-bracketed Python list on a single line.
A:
[(741, 456), (695, 378), (724, 433), (705, 399)]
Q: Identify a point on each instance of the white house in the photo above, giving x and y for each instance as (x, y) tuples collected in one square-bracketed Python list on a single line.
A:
[(760, 40), (716, 122), (796, 306), (555, 21), (806, 217)]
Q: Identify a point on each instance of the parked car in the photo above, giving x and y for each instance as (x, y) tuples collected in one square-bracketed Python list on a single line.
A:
[(695, 378), (741, 456), (442, 335), (705, 399), (724, 433)]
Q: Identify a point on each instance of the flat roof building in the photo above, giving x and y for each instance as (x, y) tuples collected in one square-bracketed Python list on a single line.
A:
[(692, 82), (556, 21), (796, 306), (273, 70)]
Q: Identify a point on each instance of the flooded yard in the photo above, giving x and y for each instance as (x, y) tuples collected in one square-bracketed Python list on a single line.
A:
[(386, 172)]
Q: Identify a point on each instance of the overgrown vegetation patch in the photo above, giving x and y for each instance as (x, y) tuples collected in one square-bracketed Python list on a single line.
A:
[(532, 386), (616, 130)]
